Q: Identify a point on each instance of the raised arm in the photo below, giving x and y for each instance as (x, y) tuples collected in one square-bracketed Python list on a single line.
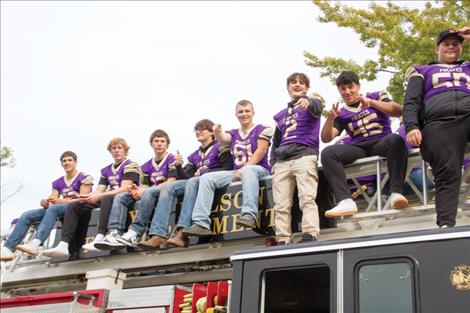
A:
[(329, 131), (220, 136)]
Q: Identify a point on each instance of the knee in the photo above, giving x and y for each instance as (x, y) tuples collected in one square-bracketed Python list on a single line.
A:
[(121, 197), (25, 217), (327, 154), (396, 140)]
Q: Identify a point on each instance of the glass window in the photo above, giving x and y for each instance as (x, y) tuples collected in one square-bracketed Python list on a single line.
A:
[(385, 288), (296, 290)]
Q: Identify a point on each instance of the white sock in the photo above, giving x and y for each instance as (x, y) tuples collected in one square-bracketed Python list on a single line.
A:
[(99, 237), (36, 242)]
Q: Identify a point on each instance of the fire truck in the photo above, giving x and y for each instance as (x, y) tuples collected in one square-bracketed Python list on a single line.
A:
[(379, 260)]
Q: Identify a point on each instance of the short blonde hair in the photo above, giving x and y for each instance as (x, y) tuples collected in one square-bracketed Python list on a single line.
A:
[(118, 141)]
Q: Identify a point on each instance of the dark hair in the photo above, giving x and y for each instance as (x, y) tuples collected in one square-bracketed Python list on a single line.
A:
[(204, 124), (301, 76), (160, 133), (68, 154), (347, 77)]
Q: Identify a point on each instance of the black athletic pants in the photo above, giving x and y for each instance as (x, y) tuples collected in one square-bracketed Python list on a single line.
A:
[(333, 159), (78, 215), (443, 147)]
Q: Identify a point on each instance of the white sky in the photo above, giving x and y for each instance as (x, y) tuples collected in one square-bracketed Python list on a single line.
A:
[(76, 74)]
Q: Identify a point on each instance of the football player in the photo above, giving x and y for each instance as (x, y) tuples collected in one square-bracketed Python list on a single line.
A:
[(294, 160), (437, 117), (156, 172), (366, 119), (210, 157), (249, 146), (65, 190), (118, 176)]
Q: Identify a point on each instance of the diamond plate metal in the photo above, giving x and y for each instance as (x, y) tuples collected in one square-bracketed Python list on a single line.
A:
[(141, 297), (70, 307)]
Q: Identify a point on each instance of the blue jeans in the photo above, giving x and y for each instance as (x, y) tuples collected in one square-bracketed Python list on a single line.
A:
[(147, 205), (209, 182), (47, 217), (416, 176), (167, 201), (118, 216)]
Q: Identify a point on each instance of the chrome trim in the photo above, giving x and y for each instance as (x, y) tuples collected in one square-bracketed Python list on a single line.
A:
[(351, 245)]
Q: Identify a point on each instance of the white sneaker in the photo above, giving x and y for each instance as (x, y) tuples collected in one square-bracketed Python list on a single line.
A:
[(6, 254), (129, 239), (31, 247), (90, 247), (398, 201), (109, 242), (345, 207), (60, 251)]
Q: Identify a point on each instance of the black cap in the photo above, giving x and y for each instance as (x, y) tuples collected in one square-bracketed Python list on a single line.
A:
[(447, 33)]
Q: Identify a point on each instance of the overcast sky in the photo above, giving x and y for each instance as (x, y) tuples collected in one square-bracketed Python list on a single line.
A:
[(75, 74)]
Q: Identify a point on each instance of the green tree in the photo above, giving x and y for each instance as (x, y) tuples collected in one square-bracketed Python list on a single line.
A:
[(6, 157), (402, 36)]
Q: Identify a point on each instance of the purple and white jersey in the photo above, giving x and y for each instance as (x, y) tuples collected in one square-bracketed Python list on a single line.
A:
[(466, 163), (203, 161), (71, 189), (244, 145), (364, 123), (297, 125), (113, 176), (441, 77), (158, 173)]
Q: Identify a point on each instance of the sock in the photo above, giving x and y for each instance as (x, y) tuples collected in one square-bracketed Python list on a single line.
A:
[(36, 242)]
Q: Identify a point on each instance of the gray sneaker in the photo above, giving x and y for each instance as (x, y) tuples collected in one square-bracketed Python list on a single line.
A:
[(246, 220), (196, 231), (109, 242)]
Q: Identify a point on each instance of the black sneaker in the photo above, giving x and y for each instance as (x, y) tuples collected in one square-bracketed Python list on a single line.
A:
[(247, 221), (306, 238), (196, 231)]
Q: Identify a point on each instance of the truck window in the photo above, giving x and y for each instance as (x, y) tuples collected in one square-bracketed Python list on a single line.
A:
[(385, 287), (296, 290)]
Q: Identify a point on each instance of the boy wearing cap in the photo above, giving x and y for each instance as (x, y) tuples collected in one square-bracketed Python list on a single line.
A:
[(294, 158), (437, 115), (65, 190), (366, 119)]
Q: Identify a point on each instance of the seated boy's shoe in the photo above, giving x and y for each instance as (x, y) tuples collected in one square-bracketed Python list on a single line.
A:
[(196, 231), (246, 220), (179, 240), (306, 238), (153, 243), (109, 242), (57, 252), (90, 247), (398, 201), (345, 207), (6, 254), (129, 239), (29, 248)]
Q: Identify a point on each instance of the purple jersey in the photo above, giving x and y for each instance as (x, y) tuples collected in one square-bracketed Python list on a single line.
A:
[(203, 161), (298, 125), (113, 176), (466, 163), (442, 77), (158, 173), (243, 146), (364, 123), (71, 189)]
